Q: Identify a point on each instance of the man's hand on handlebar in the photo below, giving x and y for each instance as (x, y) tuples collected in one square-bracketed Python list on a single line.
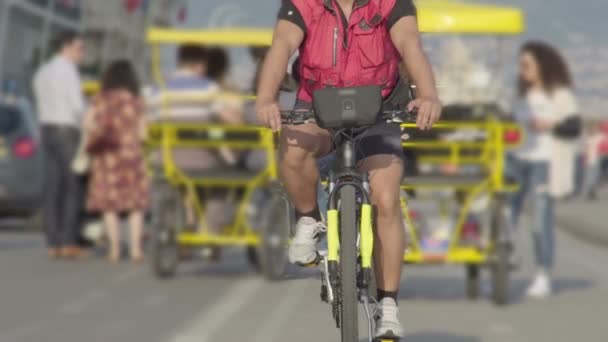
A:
[(429, 111), (269, 114)]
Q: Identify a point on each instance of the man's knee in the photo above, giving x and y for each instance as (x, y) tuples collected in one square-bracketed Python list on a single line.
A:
[(294, 158), (387, 203)]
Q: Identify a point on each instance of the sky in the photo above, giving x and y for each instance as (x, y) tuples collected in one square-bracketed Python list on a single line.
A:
[(577, 27)]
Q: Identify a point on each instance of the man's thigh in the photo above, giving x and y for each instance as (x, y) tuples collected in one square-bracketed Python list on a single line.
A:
[(380, 153), (308, 138)]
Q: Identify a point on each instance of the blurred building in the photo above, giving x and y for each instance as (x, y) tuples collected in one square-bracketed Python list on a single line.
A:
[(116, 29), (112, 28)]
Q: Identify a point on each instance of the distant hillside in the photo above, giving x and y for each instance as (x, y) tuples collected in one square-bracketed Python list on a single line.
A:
[(579, 29)]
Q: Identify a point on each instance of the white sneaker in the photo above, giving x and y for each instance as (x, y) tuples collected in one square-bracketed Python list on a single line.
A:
[(387, 324), (303, 248), (540, 287)]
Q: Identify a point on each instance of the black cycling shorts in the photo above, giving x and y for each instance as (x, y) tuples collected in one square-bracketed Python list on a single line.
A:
[(382, 138)]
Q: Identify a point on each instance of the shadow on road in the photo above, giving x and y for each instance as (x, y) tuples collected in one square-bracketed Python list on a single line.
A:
[(436, 337), (233, 263), (439, 337), (18, 241), (453, 288), (560, 286)]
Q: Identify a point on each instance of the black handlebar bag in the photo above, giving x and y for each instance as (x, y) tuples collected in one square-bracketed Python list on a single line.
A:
[(340, 108)]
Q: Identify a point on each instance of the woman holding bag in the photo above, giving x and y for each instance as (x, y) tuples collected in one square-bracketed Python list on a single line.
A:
[(118, 180), (544, 164)]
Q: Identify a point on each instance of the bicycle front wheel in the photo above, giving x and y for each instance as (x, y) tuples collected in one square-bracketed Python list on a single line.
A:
[(348, 265)]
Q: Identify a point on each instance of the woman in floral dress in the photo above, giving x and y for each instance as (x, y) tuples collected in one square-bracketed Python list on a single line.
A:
[(118, 182)]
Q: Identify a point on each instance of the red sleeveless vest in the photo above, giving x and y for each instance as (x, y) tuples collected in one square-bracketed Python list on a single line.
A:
[(336, 56)]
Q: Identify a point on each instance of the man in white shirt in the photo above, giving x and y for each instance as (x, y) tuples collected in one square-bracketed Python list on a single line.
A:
[(60, 103)]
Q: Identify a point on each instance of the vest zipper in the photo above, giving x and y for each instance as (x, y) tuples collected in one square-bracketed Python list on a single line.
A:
[(335, 48)]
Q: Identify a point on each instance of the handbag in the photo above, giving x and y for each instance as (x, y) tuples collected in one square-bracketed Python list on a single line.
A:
[(570, 128), (82, 161)]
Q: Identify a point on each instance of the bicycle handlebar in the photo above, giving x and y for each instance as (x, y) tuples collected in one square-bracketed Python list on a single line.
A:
[(300, 117)]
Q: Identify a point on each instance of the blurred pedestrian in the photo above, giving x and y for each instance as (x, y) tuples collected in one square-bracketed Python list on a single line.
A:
[(595, 141), (219, 65), (118, 183), (60, 104), (544, 165)]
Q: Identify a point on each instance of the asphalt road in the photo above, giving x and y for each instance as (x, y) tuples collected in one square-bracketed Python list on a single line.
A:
[(50, 301)]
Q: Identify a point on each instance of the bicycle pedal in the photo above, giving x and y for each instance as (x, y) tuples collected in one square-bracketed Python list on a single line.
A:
[(315, 263)]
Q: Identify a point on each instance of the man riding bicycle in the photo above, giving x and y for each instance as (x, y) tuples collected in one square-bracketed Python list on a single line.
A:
[(346, 43)]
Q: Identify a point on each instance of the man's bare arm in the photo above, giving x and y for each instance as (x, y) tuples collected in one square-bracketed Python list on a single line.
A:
[(287, 39), (406, 37)]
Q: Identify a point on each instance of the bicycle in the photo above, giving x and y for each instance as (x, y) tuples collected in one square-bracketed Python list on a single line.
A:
[(347, 276)]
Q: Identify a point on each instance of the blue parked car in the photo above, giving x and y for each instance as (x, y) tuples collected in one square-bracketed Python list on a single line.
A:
[(22, 168)]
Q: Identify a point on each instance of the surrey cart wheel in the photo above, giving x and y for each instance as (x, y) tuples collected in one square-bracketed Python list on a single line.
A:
[(274, 236), (473, 272), (252, 258), (168, 219), (500, 256)]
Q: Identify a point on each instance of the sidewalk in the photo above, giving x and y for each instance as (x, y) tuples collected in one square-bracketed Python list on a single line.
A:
[(585, 219)]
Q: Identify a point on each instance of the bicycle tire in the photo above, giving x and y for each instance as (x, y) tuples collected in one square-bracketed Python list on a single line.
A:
[(349, 312), (167, 221), (500, 263), (272, 251), (473, 276)]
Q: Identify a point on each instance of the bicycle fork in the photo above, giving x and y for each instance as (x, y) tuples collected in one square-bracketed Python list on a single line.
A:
[(366, 249), (330, 263)]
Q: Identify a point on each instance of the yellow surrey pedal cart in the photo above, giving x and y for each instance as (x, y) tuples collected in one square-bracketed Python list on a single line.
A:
[(460, 180), (262, 215)]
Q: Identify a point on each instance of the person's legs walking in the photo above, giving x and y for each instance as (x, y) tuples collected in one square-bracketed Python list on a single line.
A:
[(70, 204), (136, 226), (579, 174), (592, 180), (300, 146), (520, 172), (111, 223), (53, 185), (542, 230)]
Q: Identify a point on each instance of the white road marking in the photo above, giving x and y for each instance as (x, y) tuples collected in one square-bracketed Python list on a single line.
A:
[(156, 300), (212, 319), (501, 328), (81, 304), (98, 294), (126, 276), (270, 330)]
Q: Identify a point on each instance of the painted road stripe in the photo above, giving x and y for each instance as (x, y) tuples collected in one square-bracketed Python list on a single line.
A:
[(214, 318)]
